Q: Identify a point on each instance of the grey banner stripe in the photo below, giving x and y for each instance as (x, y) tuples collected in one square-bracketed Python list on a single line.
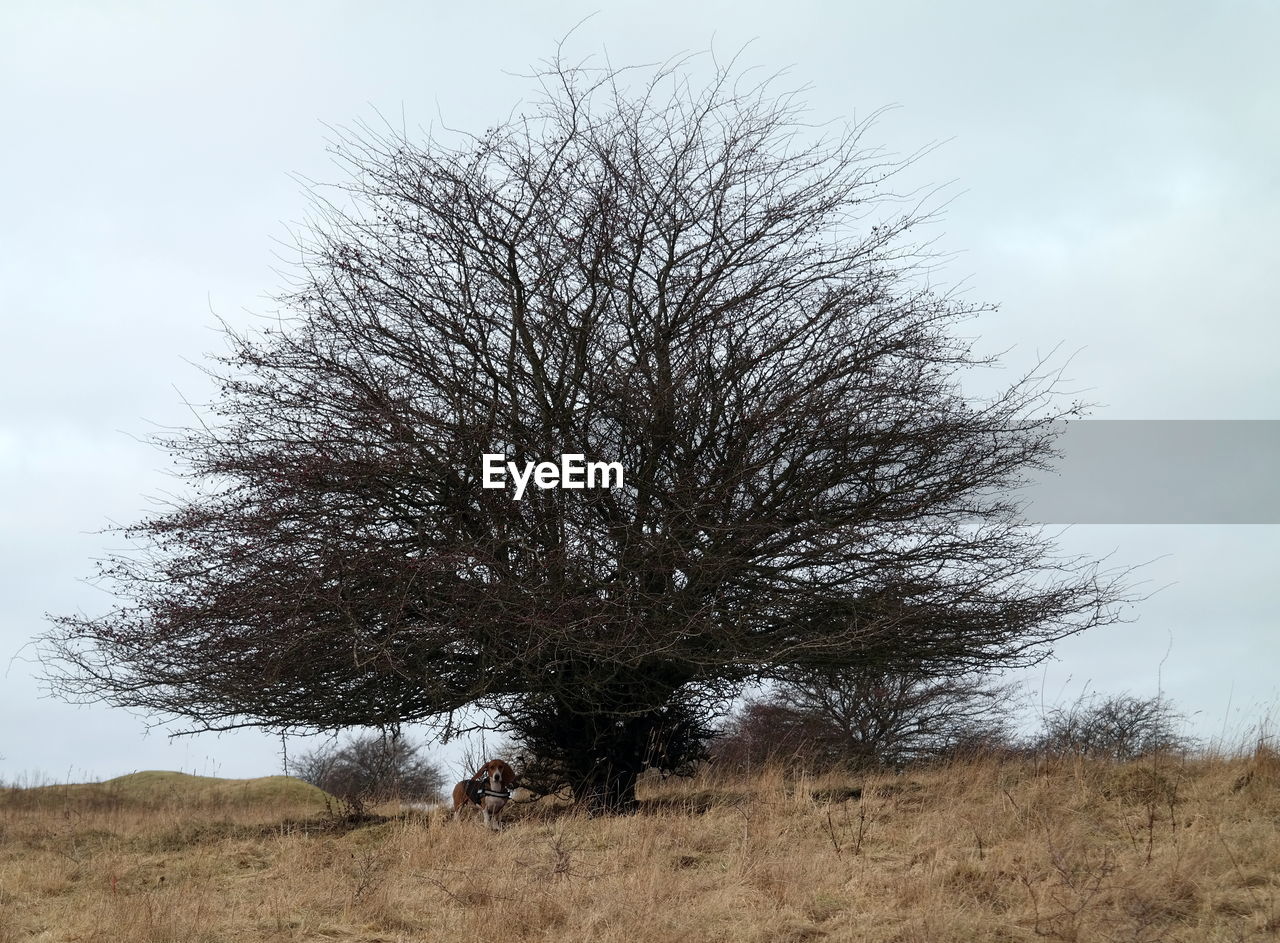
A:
[(1150, 471)]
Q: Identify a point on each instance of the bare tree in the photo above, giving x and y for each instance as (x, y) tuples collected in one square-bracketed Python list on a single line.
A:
[(876, 718), (864, 717), (688, 280), (370, 767), (763, 732), (1121, 727)]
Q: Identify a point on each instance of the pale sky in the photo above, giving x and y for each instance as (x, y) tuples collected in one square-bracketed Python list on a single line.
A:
[(1113, 173)]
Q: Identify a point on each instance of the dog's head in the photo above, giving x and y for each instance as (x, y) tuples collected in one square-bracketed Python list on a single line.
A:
[(499, 776)]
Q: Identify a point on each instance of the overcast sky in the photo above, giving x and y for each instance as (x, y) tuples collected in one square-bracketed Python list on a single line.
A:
[(1114, 175)]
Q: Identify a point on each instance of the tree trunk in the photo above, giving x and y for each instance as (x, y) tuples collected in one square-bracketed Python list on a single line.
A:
[(600, 755), (610, 788)]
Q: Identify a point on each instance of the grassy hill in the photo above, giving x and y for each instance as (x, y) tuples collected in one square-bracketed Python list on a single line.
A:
[(1020, 850), (155, 788)]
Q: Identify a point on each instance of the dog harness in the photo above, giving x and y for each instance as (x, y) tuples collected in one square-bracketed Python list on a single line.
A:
[(478, 790)]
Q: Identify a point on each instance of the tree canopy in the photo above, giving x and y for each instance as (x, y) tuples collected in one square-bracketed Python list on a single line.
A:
[(687, 279)]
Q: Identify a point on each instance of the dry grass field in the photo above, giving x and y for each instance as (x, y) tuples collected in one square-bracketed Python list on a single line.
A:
[(984, 850)]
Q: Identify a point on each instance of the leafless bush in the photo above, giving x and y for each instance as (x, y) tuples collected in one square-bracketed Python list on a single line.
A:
[(865, 718), (1121, 727), (765, 732), (371, 767)]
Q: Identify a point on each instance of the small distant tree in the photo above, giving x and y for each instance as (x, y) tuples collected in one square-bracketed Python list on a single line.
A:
[(863, 718), (1121, 727), (763, 732), (874, 717), (371, 767)]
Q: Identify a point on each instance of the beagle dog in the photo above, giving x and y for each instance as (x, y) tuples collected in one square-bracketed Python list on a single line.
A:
[(489, 789)]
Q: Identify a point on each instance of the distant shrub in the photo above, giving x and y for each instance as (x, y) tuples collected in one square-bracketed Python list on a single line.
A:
[(866, 718), (764, 732), (1119, 727), (371, 767)]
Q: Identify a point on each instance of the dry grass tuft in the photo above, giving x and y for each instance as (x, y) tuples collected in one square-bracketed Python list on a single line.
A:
[(1068, 850)]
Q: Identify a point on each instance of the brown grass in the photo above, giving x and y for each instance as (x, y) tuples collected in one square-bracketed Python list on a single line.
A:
[(1066, 850)]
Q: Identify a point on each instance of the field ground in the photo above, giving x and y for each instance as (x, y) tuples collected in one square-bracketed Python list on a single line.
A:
[(1058, 850)]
